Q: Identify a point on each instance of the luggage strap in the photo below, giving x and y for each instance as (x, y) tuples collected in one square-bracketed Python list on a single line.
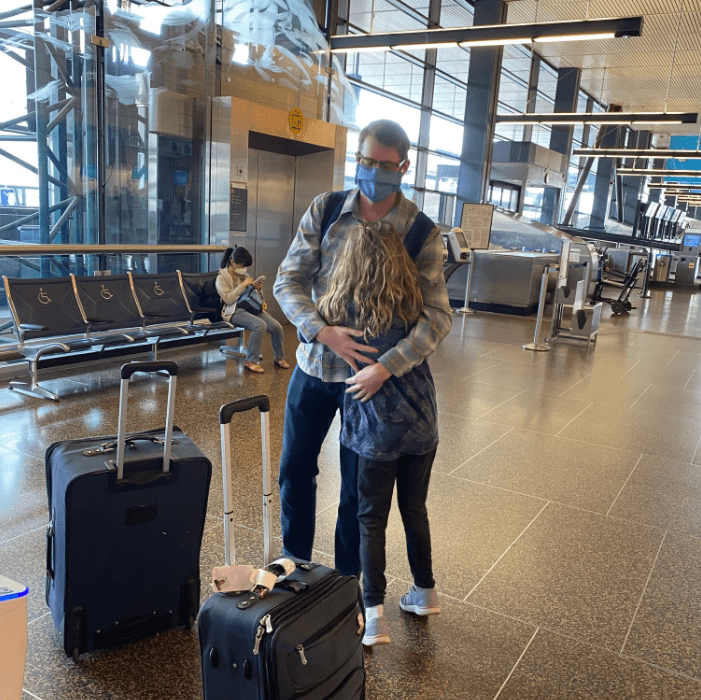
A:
[(235, 580)]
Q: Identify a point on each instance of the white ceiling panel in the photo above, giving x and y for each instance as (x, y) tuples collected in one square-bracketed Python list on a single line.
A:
[(658, 71)]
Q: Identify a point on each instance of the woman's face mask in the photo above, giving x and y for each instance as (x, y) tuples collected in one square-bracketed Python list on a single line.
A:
[(377, 184)]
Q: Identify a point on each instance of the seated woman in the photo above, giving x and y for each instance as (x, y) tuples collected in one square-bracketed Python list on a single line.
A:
[(232, 280)]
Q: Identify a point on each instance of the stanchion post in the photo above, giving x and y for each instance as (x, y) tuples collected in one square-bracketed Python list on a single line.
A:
[(466, 307), (645, 292), (535, 345)]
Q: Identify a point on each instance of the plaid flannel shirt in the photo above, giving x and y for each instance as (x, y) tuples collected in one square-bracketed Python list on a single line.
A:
[(304, 274)]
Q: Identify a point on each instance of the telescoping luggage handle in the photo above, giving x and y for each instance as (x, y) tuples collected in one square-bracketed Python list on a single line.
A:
[(127, 372), (226, 412)]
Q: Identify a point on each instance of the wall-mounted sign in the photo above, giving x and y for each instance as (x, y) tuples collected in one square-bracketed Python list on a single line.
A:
[(296, 120), (238, 209), (476, 223)]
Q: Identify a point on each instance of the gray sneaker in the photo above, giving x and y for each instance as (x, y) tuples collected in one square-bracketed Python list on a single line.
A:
[(424, 602), (376, 632)]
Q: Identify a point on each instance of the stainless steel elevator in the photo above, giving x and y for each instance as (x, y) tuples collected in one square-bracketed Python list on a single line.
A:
[(262, 183)]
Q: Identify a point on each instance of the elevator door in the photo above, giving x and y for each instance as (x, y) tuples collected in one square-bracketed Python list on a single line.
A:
[(270, 225), (280, 188)]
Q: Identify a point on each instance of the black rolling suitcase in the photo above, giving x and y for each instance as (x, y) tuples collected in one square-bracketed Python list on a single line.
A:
[(303, 639), (123, 542)]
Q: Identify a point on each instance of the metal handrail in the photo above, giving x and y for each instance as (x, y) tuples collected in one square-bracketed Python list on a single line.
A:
[(37, 249)]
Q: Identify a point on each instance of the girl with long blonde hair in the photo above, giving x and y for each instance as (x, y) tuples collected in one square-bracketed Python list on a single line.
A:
[(375, 288)]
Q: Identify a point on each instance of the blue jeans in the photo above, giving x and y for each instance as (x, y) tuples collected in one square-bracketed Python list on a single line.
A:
[(375, 485), (310, 409), (259, 325)]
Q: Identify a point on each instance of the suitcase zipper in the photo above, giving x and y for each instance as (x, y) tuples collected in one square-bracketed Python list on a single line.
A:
[(265, 625)]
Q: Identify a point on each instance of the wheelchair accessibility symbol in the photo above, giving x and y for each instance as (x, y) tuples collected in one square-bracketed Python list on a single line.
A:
[(158, 290), (43, 297), (105, 293)]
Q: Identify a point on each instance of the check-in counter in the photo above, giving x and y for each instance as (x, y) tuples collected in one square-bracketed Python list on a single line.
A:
[(508, 281)]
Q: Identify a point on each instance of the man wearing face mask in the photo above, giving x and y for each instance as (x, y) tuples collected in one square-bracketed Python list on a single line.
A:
[(327, 354)]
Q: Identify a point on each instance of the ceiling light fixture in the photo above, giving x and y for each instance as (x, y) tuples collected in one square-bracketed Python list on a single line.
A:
[(567, 118), (490, 35), (658, 172), (635, 153)]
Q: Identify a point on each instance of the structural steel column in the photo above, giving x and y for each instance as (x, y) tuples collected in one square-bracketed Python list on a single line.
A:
[(566, 98), (603, 180), (631, 186), (480, 110), (429, 79)]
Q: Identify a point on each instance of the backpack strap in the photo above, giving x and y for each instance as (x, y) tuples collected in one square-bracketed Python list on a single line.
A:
[(418, 233), (332, 211), (414, 240)]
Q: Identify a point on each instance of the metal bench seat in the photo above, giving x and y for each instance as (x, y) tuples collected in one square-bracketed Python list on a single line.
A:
[(78, 319), (110, 302), (48, 320)]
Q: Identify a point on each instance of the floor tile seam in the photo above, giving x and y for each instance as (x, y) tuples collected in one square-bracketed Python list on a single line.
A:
[(644, 391), (696, 451), (584, 642), (620, 491), (482, 450), (586, 408), (37, 618), (584, 442), (449, 373), (494, 408), (505, 552), (567, 505), (630, 369), (579, 381), (660, 333), (502, 488), (618, 449), (689, 379), (642, 594), (36, 697), (24, 534), (518, 661), (672, 358)]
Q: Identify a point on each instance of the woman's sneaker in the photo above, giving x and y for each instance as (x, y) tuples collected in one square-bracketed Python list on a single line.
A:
[(420, 602), (376, 632)]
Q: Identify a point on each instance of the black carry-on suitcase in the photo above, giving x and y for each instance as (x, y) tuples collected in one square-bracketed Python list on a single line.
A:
[(125, 530), (303, 638)]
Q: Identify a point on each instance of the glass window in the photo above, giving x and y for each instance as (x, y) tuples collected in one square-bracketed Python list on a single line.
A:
[(389, 71), (449, 98), (445, 136), (442, 173), (372, 106), (377, 16), (454, 62), (456, 14), (508, 132), (513, 94)]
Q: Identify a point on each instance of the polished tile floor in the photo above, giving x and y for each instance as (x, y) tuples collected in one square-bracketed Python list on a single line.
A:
[(565, 508)]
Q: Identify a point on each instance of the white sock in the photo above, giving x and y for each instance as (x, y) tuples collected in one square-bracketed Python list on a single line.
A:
[(419, 589), (375, 611)]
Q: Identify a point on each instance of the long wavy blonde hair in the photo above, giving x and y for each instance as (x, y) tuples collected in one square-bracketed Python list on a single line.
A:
[(376, 277)]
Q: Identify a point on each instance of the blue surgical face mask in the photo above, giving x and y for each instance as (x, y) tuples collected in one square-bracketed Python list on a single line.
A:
[(376, 184)]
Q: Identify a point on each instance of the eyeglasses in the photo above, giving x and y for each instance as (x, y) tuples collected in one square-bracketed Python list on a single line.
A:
[(386, 165)]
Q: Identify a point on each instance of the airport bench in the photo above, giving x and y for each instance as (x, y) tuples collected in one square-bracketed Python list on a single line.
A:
[(67, 320)]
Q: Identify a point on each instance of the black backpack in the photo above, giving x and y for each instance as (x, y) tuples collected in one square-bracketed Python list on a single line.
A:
[(207, 295), (414, 240)]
